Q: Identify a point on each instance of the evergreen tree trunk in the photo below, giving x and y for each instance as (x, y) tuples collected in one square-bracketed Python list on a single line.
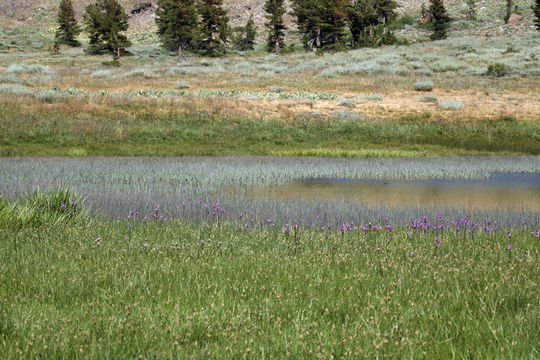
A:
[(275, 10), (508, 11), (471, 10), (537, 14), (180, 53), (278, 49), (440, 20)]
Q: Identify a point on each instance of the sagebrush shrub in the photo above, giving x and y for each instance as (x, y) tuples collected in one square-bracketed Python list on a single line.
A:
[(423, 85)]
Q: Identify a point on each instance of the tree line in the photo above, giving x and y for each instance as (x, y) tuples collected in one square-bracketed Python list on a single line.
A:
[(202, 26)]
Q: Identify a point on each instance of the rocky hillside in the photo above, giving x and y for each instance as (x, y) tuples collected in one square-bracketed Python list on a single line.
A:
[(41, 14)]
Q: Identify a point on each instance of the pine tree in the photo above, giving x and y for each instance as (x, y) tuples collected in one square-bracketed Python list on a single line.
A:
[(321, 22), (215, 30), (68, 29), (251, 33), (536, 10), (334, 15), (177, 24), (245, 38), (508, 11), (361, 18), (471, 10), (385, 10), (440, 20), (309, 22), (276, 28), (105, 22)]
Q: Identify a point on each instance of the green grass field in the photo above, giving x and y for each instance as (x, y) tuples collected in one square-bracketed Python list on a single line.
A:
[(75, 287), (265, 279), (145, 132)]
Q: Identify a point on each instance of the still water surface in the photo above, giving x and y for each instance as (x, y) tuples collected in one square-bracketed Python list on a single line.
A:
[(501, 191)]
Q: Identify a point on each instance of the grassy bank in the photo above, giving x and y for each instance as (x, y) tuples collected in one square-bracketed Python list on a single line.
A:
[(91, 289), (114, 128), (426, 99)]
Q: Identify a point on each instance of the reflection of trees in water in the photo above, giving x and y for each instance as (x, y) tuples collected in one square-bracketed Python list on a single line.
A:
[(477, 196)]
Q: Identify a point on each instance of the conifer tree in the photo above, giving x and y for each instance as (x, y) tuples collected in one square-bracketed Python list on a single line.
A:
[(215, 30), (334, 14), (245, 39), (177, 24), (321, 22), (105, 22), (471, 10), (508, 11), (68, 29), (251, 33), (536, 10), (362, 16), (309, 22), (440, 20), (385, 9), (276, 28)]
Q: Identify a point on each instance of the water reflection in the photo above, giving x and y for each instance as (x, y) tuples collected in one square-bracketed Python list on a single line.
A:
[(501, 191)]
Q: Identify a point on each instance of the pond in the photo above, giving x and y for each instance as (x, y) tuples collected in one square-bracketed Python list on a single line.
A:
[(307, 190), (503, 191)]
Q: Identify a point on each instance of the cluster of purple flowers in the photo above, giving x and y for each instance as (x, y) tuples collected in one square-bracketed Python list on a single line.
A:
[(73, 208), (133, 214), (156, 214)]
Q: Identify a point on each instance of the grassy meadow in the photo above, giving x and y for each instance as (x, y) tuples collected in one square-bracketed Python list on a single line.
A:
[(129, 228), (424, 99), (76, 287), (180, 278)]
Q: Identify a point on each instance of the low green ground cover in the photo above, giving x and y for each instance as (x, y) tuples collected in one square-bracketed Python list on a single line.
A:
[(77, 287), (146, 133)]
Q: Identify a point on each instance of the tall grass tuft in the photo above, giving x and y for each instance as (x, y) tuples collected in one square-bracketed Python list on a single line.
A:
[(42, 209)]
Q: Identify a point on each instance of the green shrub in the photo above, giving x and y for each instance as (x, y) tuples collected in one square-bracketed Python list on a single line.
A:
[(29, 69), (10, 79), (428, 99), (426, 85), (371, 98), (401, 22), (452, 105), (328, 73), (348, 104), (497, 70), (40, 79), (182, 85), (113, 63), (15, 89), (47, 96), (145, 73), (425, 72), (349, 116), (279, 89), (100, 74)]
